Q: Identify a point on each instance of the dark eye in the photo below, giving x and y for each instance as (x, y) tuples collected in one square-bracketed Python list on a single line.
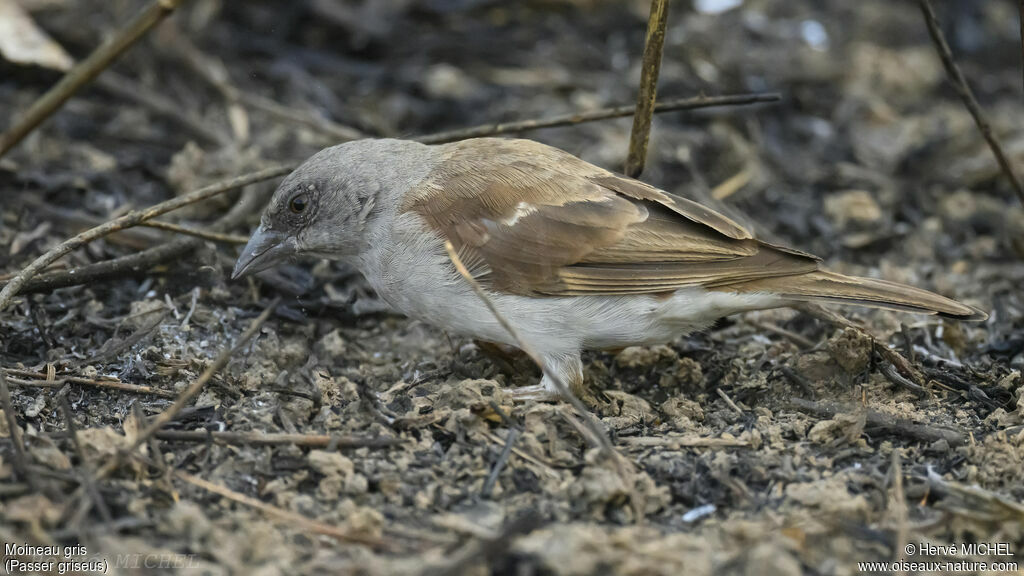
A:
[(299, 203)]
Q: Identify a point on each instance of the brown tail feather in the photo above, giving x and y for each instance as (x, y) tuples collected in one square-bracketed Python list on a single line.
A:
[(829, 286)]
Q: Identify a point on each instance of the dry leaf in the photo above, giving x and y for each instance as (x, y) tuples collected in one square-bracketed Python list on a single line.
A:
[(22, 42)]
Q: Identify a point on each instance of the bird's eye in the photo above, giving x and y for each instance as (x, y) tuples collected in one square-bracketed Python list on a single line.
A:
[(298, 204)]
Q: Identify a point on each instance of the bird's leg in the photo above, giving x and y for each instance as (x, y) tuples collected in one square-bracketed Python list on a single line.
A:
[(568, 367)]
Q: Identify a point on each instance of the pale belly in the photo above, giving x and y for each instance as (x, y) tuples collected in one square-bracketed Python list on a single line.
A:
[(434, 293), (413, 273)]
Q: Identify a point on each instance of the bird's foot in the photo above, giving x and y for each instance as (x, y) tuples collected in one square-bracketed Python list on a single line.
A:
[(536, 392)]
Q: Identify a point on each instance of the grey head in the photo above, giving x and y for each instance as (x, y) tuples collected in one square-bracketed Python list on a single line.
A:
[(325, 207)]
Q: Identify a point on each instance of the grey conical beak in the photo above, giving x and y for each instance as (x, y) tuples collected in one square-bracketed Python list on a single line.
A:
[(265, 248)]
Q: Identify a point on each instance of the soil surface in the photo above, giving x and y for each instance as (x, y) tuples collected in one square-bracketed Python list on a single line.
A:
[(774, 443)]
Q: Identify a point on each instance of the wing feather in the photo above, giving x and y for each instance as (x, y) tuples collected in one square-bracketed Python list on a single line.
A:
[(536, 220)]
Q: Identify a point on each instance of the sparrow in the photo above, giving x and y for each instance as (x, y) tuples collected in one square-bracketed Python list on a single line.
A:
[(574, 256)]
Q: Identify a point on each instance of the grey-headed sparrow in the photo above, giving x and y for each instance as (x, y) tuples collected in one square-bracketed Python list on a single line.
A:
[(575, 256)]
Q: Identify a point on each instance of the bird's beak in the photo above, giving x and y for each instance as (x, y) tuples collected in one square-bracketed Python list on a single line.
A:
[(266, 248)]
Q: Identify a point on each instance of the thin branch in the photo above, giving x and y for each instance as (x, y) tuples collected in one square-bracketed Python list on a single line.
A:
[(128, 89), (299, 521), (131, 264), (898, 508), (594, 115), (260, 439), (216, 74), (641, 133), (204, 234), (499, 465), (133, 218), (956, 77), (20, 456), (119, 268), (85, 71), (87, 473), (677, 442), (38, 380), (309, 119), (884, 423)]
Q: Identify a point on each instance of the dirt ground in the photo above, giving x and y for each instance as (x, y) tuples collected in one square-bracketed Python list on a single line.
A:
[(773, 443)]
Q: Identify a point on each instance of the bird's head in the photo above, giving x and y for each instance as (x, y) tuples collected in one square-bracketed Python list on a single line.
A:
[(324, 207)]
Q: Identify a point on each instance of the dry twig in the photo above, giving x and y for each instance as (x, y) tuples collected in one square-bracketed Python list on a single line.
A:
[(133, 218), (885, 423), (38, 380), (204, 234), (261, 439), (594, 115), (20, 456), (128, 89), (676, 442), (120, 267), (214, 72), (898, 508), (87, 479), (1020, 12), (956, 77), (299, 521), (641, 133), (974, 501), (86, 70)]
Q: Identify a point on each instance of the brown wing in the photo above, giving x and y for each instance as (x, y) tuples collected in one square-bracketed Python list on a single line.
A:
[(531, 219)]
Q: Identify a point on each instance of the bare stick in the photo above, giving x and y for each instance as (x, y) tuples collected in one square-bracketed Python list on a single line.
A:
[(309, 119), (85, 71), (40, 381), (120, 267), (87, 473), (204, 234), (260, 439), (898, 508), (128, 89), (132, 264), (641, 133), (133, 218), (1020, 12), (20, 456), (682, 442), (216, 74), (197, 385), (299, 521), (956, 77), (599, 436), (889, 424), (499, 465), (594, 115), (731, 404)]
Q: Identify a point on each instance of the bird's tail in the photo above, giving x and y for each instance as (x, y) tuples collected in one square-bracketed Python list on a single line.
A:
[(822, 285)]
